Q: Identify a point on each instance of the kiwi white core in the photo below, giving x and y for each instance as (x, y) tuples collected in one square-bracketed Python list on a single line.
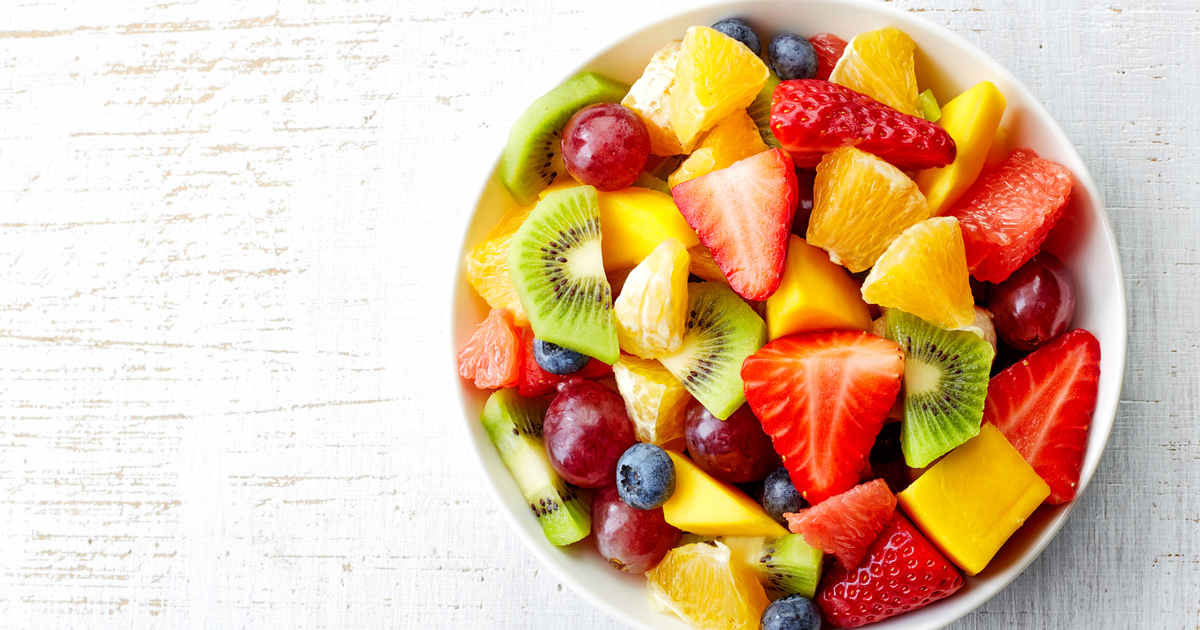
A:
[(586, 259), (921, 377)]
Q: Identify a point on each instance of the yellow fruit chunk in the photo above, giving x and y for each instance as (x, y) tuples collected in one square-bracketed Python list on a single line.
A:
[(999, 150), (651, 311), (648, 98), (924, 272), (702, 505), (563, 182), (879, 63), (654, 399), (972, 500), (734, 138), (715, 76), (705, 266), (706, 586), (971, 119), (861, 203), (487, 266), (814, 294), (633, 221)]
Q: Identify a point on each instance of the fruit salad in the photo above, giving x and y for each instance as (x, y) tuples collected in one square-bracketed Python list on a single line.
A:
[(774, 328)]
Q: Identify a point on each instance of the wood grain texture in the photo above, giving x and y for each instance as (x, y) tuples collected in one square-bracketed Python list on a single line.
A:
[(225, 234)]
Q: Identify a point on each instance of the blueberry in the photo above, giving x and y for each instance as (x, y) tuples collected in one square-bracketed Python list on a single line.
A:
[(791, 613), (645, 477), (556, 359), (741, 31), (793, 57), (779, 495)]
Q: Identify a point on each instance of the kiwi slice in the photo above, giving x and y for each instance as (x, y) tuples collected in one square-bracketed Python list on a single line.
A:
[(532, 158), (646, 180), (722, 330), (945, 384), (557, 269), (514, 424), (785, 565), (760, 111)]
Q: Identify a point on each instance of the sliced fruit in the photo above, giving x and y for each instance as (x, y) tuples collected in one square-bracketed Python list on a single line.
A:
[(706, 586), (715, 76), (634, 221), (971, 119), (532, 158), (743, 213), (974, 499), (652, 309), (1044, 406), (999, 150), (705, 266), (902, 572), (514, 424), (829, 49), (760, 111), (721, 331), (534, 381), (847, 524), (648, 97), (822, 397), (492, 358), (811, 118), (734, 138), (556, 266), (814, 294), (654, 399), (646, 180), (924, 272), (487, 265), (860, 204), (879, 63), (1007, 214), (785, 565), (703, 505), (928, 105)]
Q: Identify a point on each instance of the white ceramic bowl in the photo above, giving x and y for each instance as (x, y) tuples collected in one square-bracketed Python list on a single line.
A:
[(947, 64)]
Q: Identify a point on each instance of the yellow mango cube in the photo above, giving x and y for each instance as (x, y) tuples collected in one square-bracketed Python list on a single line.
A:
[(702, 505), (814, 294), (633, 221), (971, 501), (971, 119)]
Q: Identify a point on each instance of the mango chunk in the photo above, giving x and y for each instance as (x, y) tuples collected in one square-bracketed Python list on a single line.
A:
[(702, 505), (971, 119), (971, 501), (815, 293)]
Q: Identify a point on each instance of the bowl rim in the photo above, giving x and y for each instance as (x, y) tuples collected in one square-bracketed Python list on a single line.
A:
[(976, 597)]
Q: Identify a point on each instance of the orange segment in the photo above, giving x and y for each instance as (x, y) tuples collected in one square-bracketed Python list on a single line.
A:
[(487, 266), (924, 272), (734, 138), (705, 266), (860, 203), (651, 311), (715, 76), (879, 63), (706, 586), (655, 400), (648, 98)]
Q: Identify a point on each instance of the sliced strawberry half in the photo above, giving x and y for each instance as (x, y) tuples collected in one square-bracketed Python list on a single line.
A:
[(902, 571), (811, 118), (823, 397), (743, 213), (535, 381), (847, 524), (829, 49), (1044, 405)]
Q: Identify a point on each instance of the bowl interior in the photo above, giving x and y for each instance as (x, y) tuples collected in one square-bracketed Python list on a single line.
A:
[(948, 65)]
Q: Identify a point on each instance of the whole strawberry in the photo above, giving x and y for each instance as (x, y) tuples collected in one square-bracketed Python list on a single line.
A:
[(902, 572), (811, 118)]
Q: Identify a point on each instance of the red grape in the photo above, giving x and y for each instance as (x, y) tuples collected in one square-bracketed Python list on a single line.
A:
[(586, 432), (605, 145), (734, 450), (1035, 304), (630, 540)]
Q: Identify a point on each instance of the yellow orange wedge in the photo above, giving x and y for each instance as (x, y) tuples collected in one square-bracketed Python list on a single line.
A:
[(706, 586), (654, 399), (648, 98), (734, 138), (924, 272), (651, 311), (487, 266), (715, 76), (879, 63)]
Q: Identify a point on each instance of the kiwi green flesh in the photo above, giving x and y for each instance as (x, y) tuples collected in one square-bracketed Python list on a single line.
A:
[(646, 180), (945, 384), (785, 565), (514, 424), (556, 266), (532, 159), (760, 111), (722, 330)]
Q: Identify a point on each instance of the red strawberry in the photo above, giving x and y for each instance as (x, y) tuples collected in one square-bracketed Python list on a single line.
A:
[(1044, 404), (829, 49), (535, 381), (822, 397), (902, 572), (743, 213), (492, 358), (811, 118), (847, 524)]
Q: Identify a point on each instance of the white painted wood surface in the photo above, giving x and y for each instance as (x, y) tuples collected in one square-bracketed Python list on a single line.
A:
[(223, 242)]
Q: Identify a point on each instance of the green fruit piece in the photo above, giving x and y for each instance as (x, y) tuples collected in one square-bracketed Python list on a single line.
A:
[(760, 111), (927, 105), (514, 424), (785, 565), (945, 384), (557, 268), (722, 330), (646, 180), (532, 158)]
